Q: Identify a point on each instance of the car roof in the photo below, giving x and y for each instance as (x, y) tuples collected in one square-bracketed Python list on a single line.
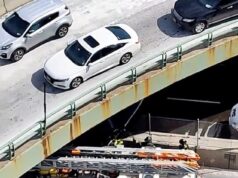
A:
[(38, 8), (103, 36)]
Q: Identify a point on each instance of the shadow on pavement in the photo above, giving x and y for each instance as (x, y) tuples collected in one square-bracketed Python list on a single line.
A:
[(38, 80), (4, 62), (170, 28)]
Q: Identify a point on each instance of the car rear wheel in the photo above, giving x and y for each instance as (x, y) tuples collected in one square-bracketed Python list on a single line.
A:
[(62, 31), (17, 54), (199, 27), (76, 82), (125, 58)]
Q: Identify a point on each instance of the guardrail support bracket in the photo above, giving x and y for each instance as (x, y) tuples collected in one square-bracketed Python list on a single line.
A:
[(179, 52), (72, 110), (103, 91), (11, 150), (209, 39), (164, 59), (42, 128), (133, 75)]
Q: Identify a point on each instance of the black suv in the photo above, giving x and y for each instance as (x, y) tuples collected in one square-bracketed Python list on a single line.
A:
[(197, 15)]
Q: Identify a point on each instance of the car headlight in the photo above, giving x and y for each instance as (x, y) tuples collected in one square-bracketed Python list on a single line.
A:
[(61, 80), (6, 46), (188, 20)]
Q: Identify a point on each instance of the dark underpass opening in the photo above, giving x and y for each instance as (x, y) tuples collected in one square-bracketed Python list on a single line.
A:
[(207, 95)]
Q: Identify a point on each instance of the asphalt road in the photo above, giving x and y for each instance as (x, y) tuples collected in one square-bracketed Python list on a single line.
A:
[(21, 83)]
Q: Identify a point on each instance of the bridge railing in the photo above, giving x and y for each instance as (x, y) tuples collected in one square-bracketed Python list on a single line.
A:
[(127, 75)]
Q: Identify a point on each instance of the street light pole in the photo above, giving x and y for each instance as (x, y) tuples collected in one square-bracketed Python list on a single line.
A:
[(150, 125), (198, 125), (44, 121)]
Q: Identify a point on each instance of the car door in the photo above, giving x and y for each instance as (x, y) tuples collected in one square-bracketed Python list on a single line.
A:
[(225, 10), (104, 59), (40, 30), (94, 64), (110, 56), (51, 25), (114, 55)]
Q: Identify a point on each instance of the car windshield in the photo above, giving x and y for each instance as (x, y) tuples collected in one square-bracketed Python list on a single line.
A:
[(210, 3), (119, 32), (77, 54), (15, 25)]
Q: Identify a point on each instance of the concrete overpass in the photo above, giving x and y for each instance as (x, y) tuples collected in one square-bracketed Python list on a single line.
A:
[(114, 94)]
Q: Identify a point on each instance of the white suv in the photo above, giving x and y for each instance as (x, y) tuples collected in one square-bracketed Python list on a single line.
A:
[(32, 24)]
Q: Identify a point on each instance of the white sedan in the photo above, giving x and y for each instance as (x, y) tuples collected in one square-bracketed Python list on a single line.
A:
[(91, 54)]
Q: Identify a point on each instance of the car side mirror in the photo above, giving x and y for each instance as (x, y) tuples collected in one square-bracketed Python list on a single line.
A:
[(28, 36)]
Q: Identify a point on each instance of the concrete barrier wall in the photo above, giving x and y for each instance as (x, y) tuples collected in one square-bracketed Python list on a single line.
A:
[(9, 5), (221, 158)]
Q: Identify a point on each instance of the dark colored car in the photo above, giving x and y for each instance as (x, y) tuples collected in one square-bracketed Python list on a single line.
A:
[(197, 15)]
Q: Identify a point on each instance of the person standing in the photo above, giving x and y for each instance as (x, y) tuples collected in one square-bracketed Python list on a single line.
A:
[(183, 144)]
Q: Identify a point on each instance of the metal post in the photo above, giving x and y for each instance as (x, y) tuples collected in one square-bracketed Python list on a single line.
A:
[(133, 75), (210, 39), (179, 52), (72, 109), (149, 125), (198, 123), (44, 121), (11, 149), (164, 59), (103, 91)]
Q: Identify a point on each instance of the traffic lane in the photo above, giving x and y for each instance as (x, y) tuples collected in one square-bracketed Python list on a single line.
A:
[(156, 30), (24, 96), (87, 16), (21, 101), (27, 96)]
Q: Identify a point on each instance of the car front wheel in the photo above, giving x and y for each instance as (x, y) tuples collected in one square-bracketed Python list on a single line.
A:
[(76, 82), (62, 31), (17, 54), (125, 58), (199, 27)]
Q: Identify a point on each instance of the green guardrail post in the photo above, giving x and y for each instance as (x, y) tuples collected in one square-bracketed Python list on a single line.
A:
[(42, 128), (11, 150), (72, 109), (209, 39), (103, 91), (133, 75), (164, 59), (179, 52)]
